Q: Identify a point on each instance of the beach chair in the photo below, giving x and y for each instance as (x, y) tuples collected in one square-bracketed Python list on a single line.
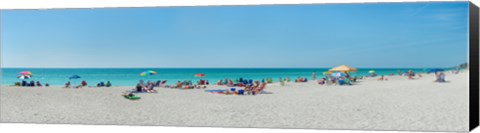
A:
[(347, 81), (260, 89), (241, 92)]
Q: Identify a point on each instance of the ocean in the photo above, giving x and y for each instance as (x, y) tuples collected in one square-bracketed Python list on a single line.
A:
[(130, 76)]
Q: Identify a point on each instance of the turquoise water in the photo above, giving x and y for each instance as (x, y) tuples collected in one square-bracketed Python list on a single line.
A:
[(130, 76)]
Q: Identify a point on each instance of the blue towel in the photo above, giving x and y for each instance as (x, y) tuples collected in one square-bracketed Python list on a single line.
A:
[(215, 90)]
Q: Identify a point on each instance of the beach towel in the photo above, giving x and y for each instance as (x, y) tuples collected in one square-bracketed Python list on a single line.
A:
[(132, 97), (218, 90)]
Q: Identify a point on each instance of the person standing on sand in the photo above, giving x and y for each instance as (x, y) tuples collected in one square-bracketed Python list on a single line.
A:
[(410, 74), (314, 76)]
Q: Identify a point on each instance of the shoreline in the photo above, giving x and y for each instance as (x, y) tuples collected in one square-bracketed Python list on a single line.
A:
[(275, 80), (126, 77)]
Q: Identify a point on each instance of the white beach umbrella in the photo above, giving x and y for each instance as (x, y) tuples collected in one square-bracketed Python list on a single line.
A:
[(24, 77)]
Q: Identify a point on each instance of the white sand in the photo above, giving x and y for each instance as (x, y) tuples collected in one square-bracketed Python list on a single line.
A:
[(397, 104)]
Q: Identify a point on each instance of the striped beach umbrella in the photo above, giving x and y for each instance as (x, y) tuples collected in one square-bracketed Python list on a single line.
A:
[(147, 73), (26, 73)]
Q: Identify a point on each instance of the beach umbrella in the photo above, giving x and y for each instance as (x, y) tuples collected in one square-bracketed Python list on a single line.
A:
[(338, 74), (74, 77), (200, 75), (26, 73), (371, 71), (24, 77), (343, 68), (147, 73)]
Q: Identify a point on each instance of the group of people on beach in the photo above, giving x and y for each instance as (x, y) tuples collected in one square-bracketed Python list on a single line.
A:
[(148, 87), (31, 84), (85, 84)]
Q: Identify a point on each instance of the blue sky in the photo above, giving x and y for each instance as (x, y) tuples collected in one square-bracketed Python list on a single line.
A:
[(361, 35)]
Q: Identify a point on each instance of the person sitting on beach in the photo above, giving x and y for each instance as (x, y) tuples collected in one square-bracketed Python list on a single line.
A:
[(179, 85), (17, 84), (150, 87), (47, 85), (39, 84), (84, 83), (248, 89), (67, 85), (239, 84), (108, 84), (259, 90), (256, 83), (440, 77), (381, 78), (225, 81), (230, 83), (322, 81), (207, 82), (219, 82), (32, 83), (128, 94), (139, 88), (410, 74), (24, 83)]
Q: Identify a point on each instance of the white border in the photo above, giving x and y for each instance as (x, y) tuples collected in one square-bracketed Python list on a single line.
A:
[(55, 4)]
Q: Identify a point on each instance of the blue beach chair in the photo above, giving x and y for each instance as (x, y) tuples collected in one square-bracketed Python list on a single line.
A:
[(241, 92)]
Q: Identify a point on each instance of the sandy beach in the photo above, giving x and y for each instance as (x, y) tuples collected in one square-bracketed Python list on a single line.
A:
[(396, 104)]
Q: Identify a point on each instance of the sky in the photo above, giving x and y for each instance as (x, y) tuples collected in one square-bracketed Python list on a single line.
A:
[(388, 35)]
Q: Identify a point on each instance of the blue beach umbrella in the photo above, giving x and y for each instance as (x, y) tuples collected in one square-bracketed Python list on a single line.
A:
[(74, 77)]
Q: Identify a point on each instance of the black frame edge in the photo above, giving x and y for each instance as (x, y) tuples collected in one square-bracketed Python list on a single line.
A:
[(474, 66)]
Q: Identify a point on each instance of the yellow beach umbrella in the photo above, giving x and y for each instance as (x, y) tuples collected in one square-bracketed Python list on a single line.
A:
[(343, 68)]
